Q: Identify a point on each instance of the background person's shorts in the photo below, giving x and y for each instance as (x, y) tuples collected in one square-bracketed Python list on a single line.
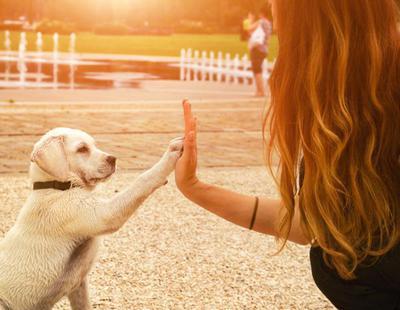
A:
[(257, 57)]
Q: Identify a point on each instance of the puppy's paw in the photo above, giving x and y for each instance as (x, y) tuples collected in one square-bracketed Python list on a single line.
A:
[(175, 149), (173, 153), (176, 145)]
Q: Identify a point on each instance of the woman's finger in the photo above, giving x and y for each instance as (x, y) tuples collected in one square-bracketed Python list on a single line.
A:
[(187, 112), (189, 146), (192, 132), (188, 143), (194, 129)]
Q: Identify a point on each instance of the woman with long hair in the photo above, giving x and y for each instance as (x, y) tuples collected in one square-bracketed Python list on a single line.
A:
[(334, 120)]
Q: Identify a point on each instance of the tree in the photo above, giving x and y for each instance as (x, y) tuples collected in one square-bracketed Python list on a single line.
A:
[(222, 13)]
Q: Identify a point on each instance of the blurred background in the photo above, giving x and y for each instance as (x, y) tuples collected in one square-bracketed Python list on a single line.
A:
[(153, 27), (128, 63), (130, 16), (166, 28)]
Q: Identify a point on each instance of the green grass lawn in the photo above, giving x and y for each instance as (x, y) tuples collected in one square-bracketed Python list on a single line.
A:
[(144, 45)]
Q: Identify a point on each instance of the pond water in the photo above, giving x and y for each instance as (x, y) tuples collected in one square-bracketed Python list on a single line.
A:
[(33, 72)]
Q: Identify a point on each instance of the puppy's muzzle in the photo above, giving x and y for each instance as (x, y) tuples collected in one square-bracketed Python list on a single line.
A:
[(111, 160)]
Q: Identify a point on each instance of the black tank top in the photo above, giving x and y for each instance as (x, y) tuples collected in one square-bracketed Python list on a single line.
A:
[(376, 287)]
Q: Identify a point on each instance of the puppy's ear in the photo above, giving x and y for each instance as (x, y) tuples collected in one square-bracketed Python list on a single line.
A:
[(50, 156)]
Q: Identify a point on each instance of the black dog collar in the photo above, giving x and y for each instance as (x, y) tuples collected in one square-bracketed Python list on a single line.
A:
[(61, 186)]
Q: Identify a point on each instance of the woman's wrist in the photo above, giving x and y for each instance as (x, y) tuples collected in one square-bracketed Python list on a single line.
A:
[(192, 189)]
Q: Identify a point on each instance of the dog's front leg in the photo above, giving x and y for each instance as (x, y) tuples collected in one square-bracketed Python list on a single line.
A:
[(79, 298), (117, 211), (92, 217), (4, 306)]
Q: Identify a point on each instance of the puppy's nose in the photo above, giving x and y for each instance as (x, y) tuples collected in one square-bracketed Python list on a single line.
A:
[(111, 160)]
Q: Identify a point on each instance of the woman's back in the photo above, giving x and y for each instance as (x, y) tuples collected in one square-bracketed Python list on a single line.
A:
[(378, 284), (375, 287)]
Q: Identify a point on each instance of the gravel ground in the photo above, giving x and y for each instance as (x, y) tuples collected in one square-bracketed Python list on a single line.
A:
[(174, 255)]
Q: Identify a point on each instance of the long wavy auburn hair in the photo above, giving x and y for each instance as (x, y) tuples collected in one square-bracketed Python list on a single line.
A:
[(335, 103)]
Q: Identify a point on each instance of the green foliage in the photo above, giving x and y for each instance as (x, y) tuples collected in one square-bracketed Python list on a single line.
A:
[(219, 16), (52, 26), (195, 27), (112, 29)]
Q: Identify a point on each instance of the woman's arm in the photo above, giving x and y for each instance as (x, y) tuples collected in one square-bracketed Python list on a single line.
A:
[(234, 207)]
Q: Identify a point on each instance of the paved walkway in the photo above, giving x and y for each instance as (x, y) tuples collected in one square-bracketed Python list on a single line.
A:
[(158, 91), (136, 125), (94, 56)]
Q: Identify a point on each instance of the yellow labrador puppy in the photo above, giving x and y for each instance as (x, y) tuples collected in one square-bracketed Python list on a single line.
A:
[(49, 251)]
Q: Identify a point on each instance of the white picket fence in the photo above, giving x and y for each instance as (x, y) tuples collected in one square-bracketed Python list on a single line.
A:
[(203, 66)]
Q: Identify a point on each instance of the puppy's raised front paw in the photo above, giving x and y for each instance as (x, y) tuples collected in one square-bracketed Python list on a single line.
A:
[(171, 156), (176, 145), (168, 161), (175, 149)]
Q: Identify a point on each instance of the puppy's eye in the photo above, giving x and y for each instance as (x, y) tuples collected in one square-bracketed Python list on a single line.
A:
[(83, 149)]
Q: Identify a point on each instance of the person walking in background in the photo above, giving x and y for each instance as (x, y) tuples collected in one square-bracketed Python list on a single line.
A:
[(260, 31)]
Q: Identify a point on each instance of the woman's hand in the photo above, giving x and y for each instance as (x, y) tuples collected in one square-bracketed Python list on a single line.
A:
[(234, 207), (185, 171)]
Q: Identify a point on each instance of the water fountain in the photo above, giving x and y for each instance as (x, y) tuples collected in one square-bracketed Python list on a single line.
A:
[(182, 65), (41, 68), (39, 43), (18, 76), (7, 47), (72, 47), (72, 44), (7, 42), (39, 54), (55, 60), (22, 68), (211, 67), (188, 61), (219, 67), (203, 65), (236, 64), (196, 65)]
